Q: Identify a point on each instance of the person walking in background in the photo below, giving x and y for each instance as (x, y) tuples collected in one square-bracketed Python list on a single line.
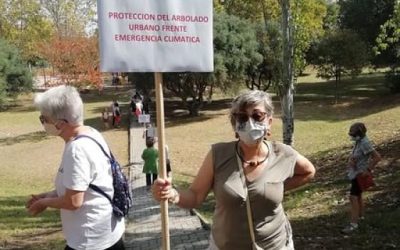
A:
[(146, 104), (112, 107), (149, 133), (132, 105), (248, 177), (105, 117), (361, 162), (150, 157), (86, 215), (116, 113), (138, 110), (137, 97), (114, 79)]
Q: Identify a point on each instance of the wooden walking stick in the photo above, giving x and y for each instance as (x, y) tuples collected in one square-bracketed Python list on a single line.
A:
[(162, 161)]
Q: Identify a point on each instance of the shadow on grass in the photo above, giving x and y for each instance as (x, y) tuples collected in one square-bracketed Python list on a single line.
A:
[(30, 137), (176, 114), (378, 231), (27, 232), (359, 97), (120, 93)]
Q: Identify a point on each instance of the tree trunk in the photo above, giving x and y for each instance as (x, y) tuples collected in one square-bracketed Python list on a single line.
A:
[(44, 77), (336, 85), (194, 108), (287, 88), (210, 93)]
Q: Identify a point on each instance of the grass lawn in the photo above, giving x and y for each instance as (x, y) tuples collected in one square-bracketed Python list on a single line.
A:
[(317, 212)]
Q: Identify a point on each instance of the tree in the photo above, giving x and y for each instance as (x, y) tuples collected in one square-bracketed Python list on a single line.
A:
[(298, 32), (70, 17), (189, 87), (365, 18), (389, 40), (267, 73), (143, 82), (286, 87), (308, 19), (14, 75), (340, 53), (331, 19), (22, 24), (389, 35), (253, 10), (235, 52), (76, 59)]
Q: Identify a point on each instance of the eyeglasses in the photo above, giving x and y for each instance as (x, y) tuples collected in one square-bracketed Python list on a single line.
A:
[(43, 120), (257, 116)]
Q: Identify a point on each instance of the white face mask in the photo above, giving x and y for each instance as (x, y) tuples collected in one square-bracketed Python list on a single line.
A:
[(251, 132), (51, 129)]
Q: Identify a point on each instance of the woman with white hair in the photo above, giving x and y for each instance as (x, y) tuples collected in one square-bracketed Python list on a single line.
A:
[(248, 177), (86, 215)]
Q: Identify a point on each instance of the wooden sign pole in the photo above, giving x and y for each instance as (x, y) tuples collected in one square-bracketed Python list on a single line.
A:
[(161, 153)]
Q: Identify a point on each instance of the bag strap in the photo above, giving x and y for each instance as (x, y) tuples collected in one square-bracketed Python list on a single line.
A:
[(248, 208), (99, 190), (111, 158)]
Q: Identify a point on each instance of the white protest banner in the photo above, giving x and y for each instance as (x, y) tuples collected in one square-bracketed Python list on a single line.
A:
[(156, 35), (144, 119)]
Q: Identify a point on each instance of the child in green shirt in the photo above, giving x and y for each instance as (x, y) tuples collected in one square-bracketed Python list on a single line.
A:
[(150, 157)]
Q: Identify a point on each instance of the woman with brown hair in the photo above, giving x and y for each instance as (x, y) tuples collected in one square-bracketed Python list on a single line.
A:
[(248, 177)]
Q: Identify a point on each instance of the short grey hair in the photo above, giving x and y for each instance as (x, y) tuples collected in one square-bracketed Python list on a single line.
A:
[(61, 103), (248, 99)]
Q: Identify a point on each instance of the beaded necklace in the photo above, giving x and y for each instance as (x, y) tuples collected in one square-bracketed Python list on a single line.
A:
[(252, 163)]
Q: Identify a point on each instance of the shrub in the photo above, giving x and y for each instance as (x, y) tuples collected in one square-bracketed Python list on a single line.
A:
[(14, 74), (392, 81)]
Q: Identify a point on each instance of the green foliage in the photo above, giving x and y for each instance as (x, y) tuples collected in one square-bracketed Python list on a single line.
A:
[(23, 25), (340, 53), (253, 10), (308, 16), (143, 82), (331, 19), (235, 54), (389, 41), (269, 72), (389, 35), (190, 88), (366, 18), (308, 19), (14, 75), (235, 49)]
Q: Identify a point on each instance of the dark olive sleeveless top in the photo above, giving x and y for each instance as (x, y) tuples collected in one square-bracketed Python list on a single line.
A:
[(230, 228)]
